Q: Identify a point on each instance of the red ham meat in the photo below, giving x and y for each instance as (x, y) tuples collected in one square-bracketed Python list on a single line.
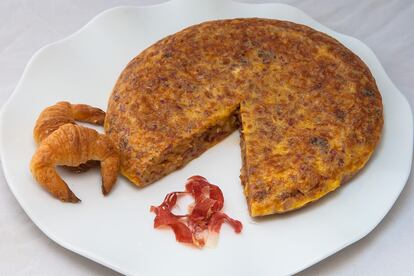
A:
[(204, 216), (164, 217)]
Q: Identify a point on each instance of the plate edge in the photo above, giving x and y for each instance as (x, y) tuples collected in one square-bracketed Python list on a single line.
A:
[(99, 16)]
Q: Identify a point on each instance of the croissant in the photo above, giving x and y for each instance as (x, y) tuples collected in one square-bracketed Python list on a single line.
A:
[(51, 118), (72, 145)]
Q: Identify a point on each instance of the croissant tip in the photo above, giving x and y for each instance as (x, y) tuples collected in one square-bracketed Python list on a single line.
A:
[(68, 197), (105, 192), (74, 199)]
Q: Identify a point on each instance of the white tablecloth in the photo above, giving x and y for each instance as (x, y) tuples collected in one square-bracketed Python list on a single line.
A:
[(386, 26)]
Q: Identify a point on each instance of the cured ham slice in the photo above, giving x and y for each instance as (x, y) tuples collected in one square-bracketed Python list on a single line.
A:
[(204, 218)]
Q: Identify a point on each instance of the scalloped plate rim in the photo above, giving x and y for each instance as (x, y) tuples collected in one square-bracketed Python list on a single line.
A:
[(101, 16)]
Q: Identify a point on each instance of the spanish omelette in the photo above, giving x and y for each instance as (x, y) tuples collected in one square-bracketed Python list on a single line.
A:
[(308, 109)]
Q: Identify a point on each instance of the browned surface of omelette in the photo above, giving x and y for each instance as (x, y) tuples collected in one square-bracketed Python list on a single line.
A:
[(308, 109)]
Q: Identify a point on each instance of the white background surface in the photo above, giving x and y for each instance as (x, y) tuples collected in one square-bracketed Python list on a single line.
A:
[(385, 26)]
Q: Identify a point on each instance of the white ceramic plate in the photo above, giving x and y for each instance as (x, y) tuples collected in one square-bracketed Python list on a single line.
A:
[(116, 231)]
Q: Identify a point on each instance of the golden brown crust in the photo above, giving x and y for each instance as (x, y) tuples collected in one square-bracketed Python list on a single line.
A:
[(88, 114), (310, 109), (52, 117), (61, 113), (72, 145)]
